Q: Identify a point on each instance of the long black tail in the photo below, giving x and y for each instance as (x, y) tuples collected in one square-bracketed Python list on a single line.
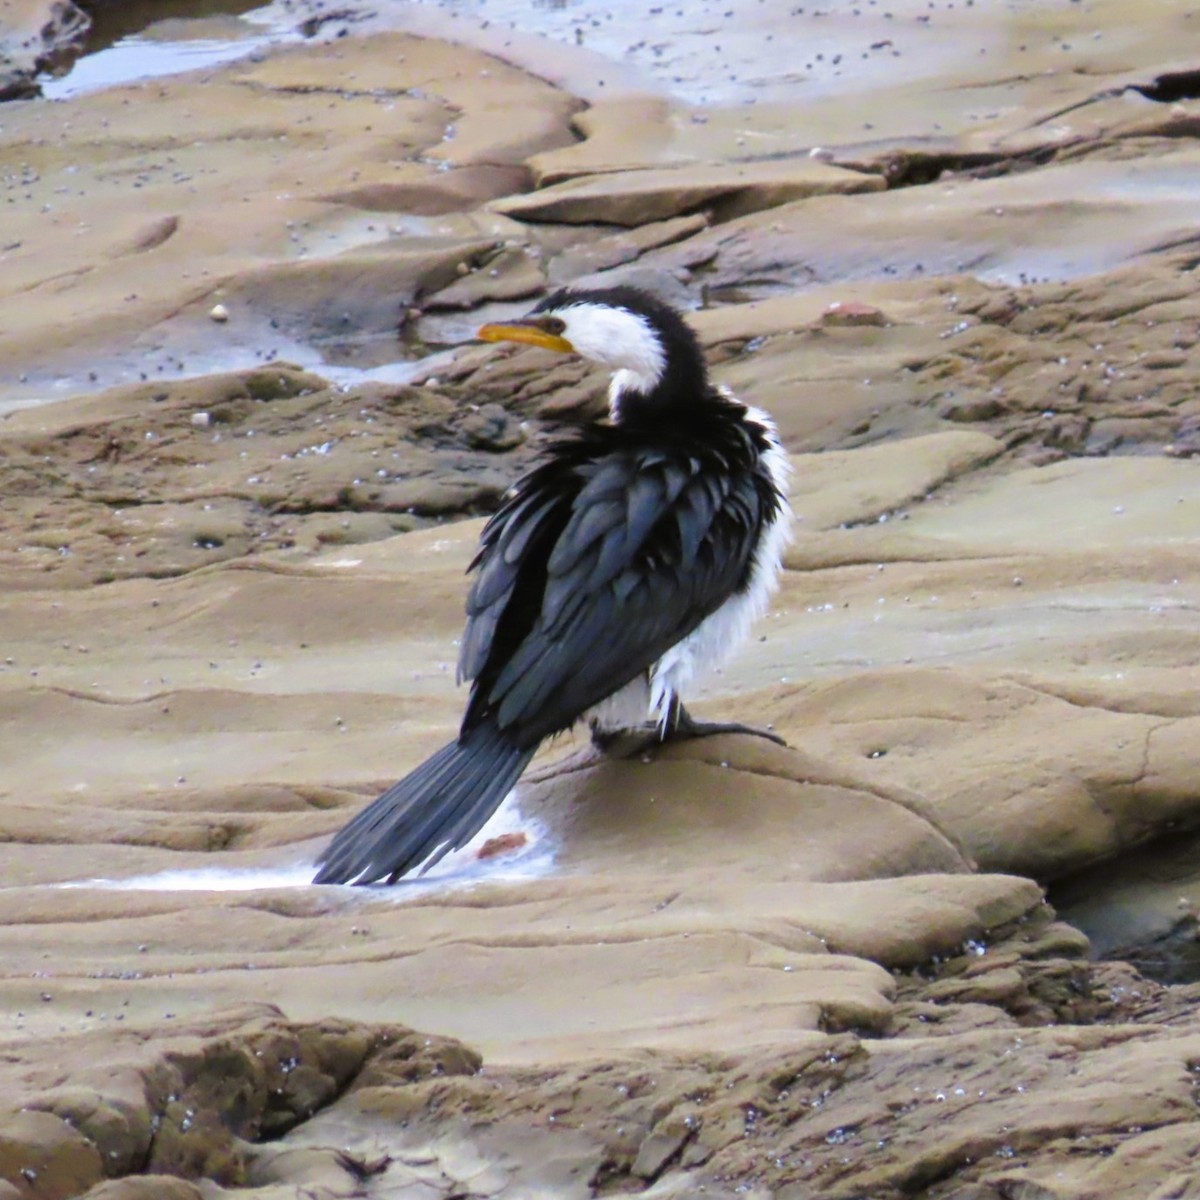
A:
[(437, 808)]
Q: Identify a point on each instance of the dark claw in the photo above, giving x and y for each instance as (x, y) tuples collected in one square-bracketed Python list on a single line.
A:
[(684, 725)]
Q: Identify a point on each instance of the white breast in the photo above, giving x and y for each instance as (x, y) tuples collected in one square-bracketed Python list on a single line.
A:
[(716, 638)]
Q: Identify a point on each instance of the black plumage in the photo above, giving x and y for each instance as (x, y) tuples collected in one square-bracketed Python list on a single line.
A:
[(600, 560)]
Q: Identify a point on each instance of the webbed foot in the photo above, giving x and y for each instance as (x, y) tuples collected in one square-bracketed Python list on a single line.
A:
[(681, 724)]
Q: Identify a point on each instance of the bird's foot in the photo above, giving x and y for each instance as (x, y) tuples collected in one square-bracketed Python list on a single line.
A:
[(683, 725), (679, 726)]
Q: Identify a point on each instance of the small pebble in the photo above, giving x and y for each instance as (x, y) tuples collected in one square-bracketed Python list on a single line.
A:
[(219, 313)]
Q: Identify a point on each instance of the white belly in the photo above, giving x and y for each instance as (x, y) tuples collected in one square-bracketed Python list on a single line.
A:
[(627, 708)]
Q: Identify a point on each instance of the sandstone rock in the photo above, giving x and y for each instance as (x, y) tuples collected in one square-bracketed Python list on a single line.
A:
[(729, 189), (840, 314), (621, 134), (114, 1120), (1009, 230), (41, 1155), (388, 190), (727, 968), (622, 247), (153, 270), (508, 275), (849, 487), (145, 1187), (659, 1149), (282, 451)]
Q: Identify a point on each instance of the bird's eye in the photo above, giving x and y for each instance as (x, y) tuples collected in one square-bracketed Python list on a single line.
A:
[(554, 325)]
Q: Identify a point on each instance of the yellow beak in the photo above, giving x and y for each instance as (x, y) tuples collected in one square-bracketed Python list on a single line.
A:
[(529, 335)]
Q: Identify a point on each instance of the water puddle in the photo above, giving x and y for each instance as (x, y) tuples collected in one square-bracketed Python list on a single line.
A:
[(203, 879), (1143, 908), (464, 868), (130, 42), (395, 373), (36, 391), (146, 40), (599, 50), (186, 352), (113, 22)]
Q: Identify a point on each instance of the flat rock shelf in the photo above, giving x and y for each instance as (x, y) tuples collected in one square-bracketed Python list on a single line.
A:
[(246, 450)]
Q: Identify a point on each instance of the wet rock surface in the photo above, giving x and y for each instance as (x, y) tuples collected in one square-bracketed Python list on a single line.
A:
[(36, 35), (245, 463), (160, 479)]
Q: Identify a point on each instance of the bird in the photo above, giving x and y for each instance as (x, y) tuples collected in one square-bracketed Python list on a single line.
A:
[(638, 550)]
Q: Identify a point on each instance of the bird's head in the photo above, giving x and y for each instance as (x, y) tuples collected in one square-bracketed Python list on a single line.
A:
[(654, 356)]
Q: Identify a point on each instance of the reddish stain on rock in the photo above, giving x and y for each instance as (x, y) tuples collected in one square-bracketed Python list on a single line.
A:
[(850, 312), (504, 844)]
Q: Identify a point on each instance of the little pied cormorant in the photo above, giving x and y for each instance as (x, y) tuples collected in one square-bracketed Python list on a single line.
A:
[(639, 550)]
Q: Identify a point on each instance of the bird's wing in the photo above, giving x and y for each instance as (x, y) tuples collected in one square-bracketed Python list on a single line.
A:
[(517, 540), (582, 590)]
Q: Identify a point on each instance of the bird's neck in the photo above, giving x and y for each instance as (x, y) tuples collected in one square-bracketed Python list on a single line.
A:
[(627, 393), (679, 387)]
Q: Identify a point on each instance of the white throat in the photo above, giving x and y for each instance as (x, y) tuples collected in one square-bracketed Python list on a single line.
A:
[(616, 338)]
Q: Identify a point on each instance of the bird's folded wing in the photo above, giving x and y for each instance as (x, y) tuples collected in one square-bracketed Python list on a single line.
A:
[(644, 550), (513, 550)]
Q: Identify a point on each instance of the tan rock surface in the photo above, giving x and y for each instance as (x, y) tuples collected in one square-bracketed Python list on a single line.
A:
[(906, 87), (231, 602), (1078, 218), (728, 189), (119, 238)]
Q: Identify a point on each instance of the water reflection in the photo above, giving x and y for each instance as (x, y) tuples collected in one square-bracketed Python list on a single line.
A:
[(122, 48)]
